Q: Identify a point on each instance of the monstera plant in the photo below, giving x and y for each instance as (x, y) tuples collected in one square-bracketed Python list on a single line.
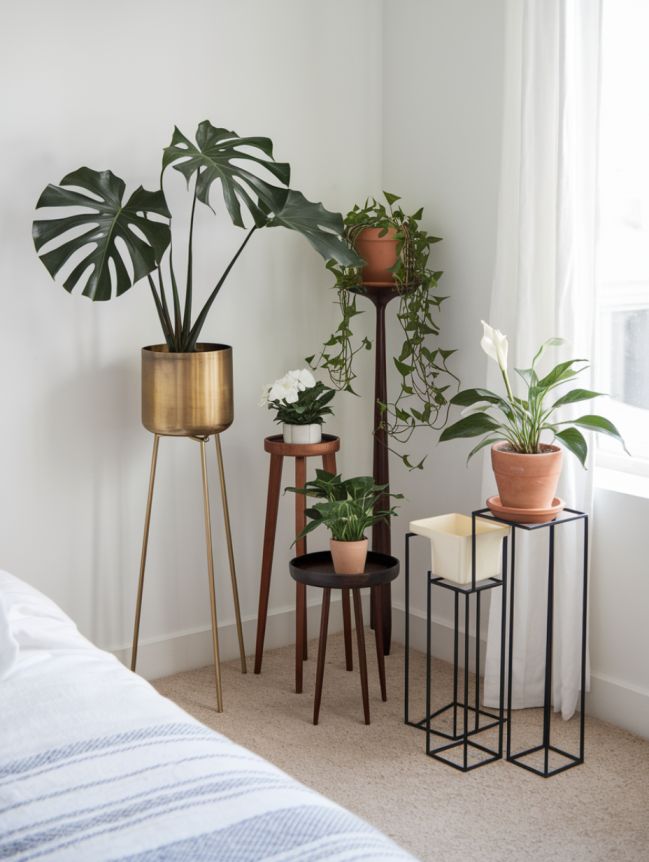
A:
[(110, 243)]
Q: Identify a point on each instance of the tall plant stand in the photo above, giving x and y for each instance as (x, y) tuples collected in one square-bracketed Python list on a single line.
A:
[(538, 758), (278, 450), (210, 559), (380, 296)]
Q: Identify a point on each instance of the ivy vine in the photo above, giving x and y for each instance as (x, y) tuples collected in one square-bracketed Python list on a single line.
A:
[(425, 377)]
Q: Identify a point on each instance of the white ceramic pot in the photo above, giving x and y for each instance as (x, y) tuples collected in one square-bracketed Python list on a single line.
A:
[(302, 434), (450, 545)]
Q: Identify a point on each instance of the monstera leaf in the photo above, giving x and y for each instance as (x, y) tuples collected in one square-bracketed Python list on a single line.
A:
[(109, 219), (217, 155), (322, 228)]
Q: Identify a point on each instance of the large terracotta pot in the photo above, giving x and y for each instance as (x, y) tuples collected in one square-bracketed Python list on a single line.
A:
[(379, 252), (187, 394), (526, 481), (348, 557)]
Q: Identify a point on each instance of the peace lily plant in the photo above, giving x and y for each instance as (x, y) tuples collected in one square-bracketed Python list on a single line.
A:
[(514, 425), (300, 404)]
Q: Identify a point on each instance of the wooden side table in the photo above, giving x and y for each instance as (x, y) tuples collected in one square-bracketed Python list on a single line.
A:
[(278, 450), (316, 570)]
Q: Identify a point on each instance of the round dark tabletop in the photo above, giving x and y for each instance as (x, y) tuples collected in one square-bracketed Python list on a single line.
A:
[(316, 570), (276, 446)]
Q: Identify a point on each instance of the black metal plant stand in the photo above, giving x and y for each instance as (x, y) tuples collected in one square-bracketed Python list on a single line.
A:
[(546, 748), (466, 717)]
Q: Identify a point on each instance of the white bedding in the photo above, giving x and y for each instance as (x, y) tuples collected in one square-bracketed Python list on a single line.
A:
[(95, 765)]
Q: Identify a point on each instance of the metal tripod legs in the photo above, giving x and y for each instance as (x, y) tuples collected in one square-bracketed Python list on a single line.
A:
[(210, 560)]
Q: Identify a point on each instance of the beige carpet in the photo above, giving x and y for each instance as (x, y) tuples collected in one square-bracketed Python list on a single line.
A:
[(597, 811)]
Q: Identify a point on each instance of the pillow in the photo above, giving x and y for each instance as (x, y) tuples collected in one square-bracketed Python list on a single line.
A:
[(31, 625)]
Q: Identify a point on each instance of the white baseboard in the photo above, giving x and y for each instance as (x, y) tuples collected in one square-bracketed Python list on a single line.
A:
[(619, 702), (613, 700), (616, 701), (192, 648)]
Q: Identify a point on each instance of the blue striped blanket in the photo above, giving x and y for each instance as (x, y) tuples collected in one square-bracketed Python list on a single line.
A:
[(95, 765)]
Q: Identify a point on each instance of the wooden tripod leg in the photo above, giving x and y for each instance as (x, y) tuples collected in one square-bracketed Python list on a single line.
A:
[(300, 548), (362, 661), (322, 649), (272, 505), (347, 628), (376, 597)]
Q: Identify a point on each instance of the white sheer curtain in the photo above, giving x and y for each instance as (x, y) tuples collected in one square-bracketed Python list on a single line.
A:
[(543, 286)]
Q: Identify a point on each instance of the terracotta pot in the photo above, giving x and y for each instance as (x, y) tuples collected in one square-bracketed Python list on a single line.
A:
[(348, 557), (379, 252), (187, 394), (526, 481)]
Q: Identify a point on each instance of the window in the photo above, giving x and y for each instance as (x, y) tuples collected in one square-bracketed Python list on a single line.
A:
[(622, 365)]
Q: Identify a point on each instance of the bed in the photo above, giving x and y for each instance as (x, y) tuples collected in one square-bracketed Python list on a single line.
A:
[(96, 765)]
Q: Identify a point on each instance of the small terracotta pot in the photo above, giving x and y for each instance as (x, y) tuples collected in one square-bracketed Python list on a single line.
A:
[(379, 252), (348, 557), (526, 481)]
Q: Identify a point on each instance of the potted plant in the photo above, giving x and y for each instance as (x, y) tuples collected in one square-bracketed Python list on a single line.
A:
[(396, 249), (526, 468), (112, 243), (347, 511), (300, 404)]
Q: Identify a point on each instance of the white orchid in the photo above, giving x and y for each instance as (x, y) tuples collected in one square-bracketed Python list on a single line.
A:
[(297, 398), (303, 378)]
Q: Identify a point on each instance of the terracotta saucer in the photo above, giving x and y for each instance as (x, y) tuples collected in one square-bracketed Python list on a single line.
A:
[(526, 516)]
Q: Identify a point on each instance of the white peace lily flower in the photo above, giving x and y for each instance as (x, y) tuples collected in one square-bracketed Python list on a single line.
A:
[(495, 345), (283, 390)]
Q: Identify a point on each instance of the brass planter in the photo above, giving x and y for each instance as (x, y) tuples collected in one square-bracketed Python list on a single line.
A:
[(187, 394)]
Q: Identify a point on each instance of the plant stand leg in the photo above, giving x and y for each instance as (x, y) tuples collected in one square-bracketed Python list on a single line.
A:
[(272, 505), (145, 544), (228, 537), (362, 661), (210, 575), (375, 597), (347, 628), (322, 650), (300, 547), (381, 539)]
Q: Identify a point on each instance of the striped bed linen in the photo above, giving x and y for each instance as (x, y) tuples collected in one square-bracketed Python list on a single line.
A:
[(96, 765)]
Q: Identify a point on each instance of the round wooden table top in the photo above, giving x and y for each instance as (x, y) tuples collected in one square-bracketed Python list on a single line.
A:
[(327, 446), (317, 570)]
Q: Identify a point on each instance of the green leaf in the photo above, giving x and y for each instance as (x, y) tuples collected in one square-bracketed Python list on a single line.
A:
[(575, 442), (576, 395), (467, 397), (487, 442), (600, 425), (322, 228), (551, 342), (109, 219), (217, 155), (562, 371), (391, 199), (470, 426)]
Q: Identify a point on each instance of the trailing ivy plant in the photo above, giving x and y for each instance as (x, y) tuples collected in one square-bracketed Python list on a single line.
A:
[(425, 378), (106, 244)]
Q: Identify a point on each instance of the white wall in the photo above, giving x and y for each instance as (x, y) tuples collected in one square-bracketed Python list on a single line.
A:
[(442, 121), (104, 86)]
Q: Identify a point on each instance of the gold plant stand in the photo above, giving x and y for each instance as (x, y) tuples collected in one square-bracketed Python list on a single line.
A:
[(202, 440)]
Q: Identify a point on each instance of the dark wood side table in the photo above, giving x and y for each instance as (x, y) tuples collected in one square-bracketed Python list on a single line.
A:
[(316, 570), (278, 450)]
